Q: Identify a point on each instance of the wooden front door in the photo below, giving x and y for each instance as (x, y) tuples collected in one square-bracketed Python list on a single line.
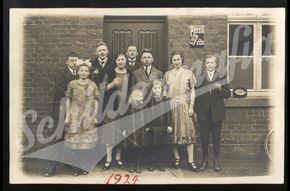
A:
[(143, 32)]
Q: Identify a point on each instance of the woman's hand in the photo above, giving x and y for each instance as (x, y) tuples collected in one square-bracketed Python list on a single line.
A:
[(117, 81), (95, 120), (66, 121), (169, 129), (195, 116), (190, 111)]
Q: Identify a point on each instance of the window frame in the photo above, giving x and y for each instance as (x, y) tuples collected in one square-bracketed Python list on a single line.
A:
[(256, 56)]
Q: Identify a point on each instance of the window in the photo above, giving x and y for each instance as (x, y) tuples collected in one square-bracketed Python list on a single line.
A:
[(251, 55)]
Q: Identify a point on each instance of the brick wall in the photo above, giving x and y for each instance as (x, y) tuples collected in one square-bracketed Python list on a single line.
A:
[(215, 37), (47, 41), (245, 128)]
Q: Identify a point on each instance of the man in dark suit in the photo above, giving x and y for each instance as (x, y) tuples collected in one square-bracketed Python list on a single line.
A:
[(102, 74), (143, 78), (102, 65), (147, 73), (62, 79), (210, 109), (132, 61)]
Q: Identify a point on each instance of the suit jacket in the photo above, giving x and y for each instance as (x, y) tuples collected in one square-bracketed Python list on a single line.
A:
[(141, 77), (135, 67), (210, 99), (62, 79), (108, 70)]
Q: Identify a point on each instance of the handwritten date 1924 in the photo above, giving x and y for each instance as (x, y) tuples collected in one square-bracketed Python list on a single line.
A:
[(119, 179)]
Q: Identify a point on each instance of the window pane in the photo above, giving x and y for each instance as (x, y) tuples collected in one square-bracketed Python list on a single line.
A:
[(268, 41), (267, 77), (241, 72), (241, 40)]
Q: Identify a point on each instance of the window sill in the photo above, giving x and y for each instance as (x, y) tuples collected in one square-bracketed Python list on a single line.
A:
[(248, 102)]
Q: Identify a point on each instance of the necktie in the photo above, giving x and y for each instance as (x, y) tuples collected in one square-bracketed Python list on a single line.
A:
[(210, 76), (74, 72), (102, 63), (147, 70)]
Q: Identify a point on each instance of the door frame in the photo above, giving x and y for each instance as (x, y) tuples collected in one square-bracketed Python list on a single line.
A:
[(149, 19)]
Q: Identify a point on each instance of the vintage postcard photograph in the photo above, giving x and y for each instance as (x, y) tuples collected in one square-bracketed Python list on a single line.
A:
[(147, 96)]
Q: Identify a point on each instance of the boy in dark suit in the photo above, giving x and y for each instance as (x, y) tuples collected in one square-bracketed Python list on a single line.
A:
[(132, 60), (62, 79), (210, 109)]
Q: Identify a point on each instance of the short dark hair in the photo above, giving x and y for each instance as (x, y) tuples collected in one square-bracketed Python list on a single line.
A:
[(177, 53), (131, 45), (101, 44), (147, 50), (119, 54), (72, 54)]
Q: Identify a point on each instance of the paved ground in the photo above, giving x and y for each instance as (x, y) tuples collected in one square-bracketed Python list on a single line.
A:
[(237, 170)]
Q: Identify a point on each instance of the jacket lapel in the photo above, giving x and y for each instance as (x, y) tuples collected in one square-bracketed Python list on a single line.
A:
[(142, 74)]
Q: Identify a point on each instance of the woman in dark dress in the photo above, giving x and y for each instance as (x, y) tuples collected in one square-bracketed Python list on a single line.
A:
[(112, 136)]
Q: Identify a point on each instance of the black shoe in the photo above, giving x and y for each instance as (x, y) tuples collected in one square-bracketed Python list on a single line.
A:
[(120, 164), (203, 165), (50, 171), (216, 165), (193, 167), (152, 167), (76, 171), (177, 164), (107, 165), (132, 168), (138, 168), (84, 172), (161, 167)]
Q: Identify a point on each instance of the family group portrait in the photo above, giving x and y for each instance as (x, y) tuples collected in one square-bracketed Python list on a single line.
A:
[(147, 96)]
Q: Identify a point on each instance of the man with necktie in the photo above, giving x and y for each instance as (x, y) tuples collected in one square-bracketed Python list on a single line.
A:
[(143, 78), (147, 73), (210, 109), (62, 79), (132, 60), (102, 65)]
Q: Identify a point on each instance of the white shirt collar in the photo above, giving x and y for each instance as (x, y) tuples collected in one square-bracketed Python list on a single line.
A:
[(131, 60), (103, 60), (210, 74), (72, 71), (148, 68)]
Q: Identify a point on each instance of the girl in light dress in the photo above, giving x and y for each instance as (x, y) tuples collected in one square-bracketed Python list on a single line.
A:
[(81, 109)]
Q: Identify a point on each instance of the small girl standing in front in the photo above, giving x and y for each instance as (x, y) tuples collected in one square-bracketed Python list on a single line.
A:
[(136, 140), (81, 109), (156, 130)]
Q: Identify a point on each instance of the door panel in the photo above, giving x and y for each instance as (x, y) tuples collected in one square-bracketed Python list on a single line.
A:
[(144, 32)]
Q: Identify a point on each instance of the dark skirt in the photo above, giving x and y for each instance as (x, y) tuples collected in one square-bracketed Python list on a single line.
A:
[(110, 133)]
